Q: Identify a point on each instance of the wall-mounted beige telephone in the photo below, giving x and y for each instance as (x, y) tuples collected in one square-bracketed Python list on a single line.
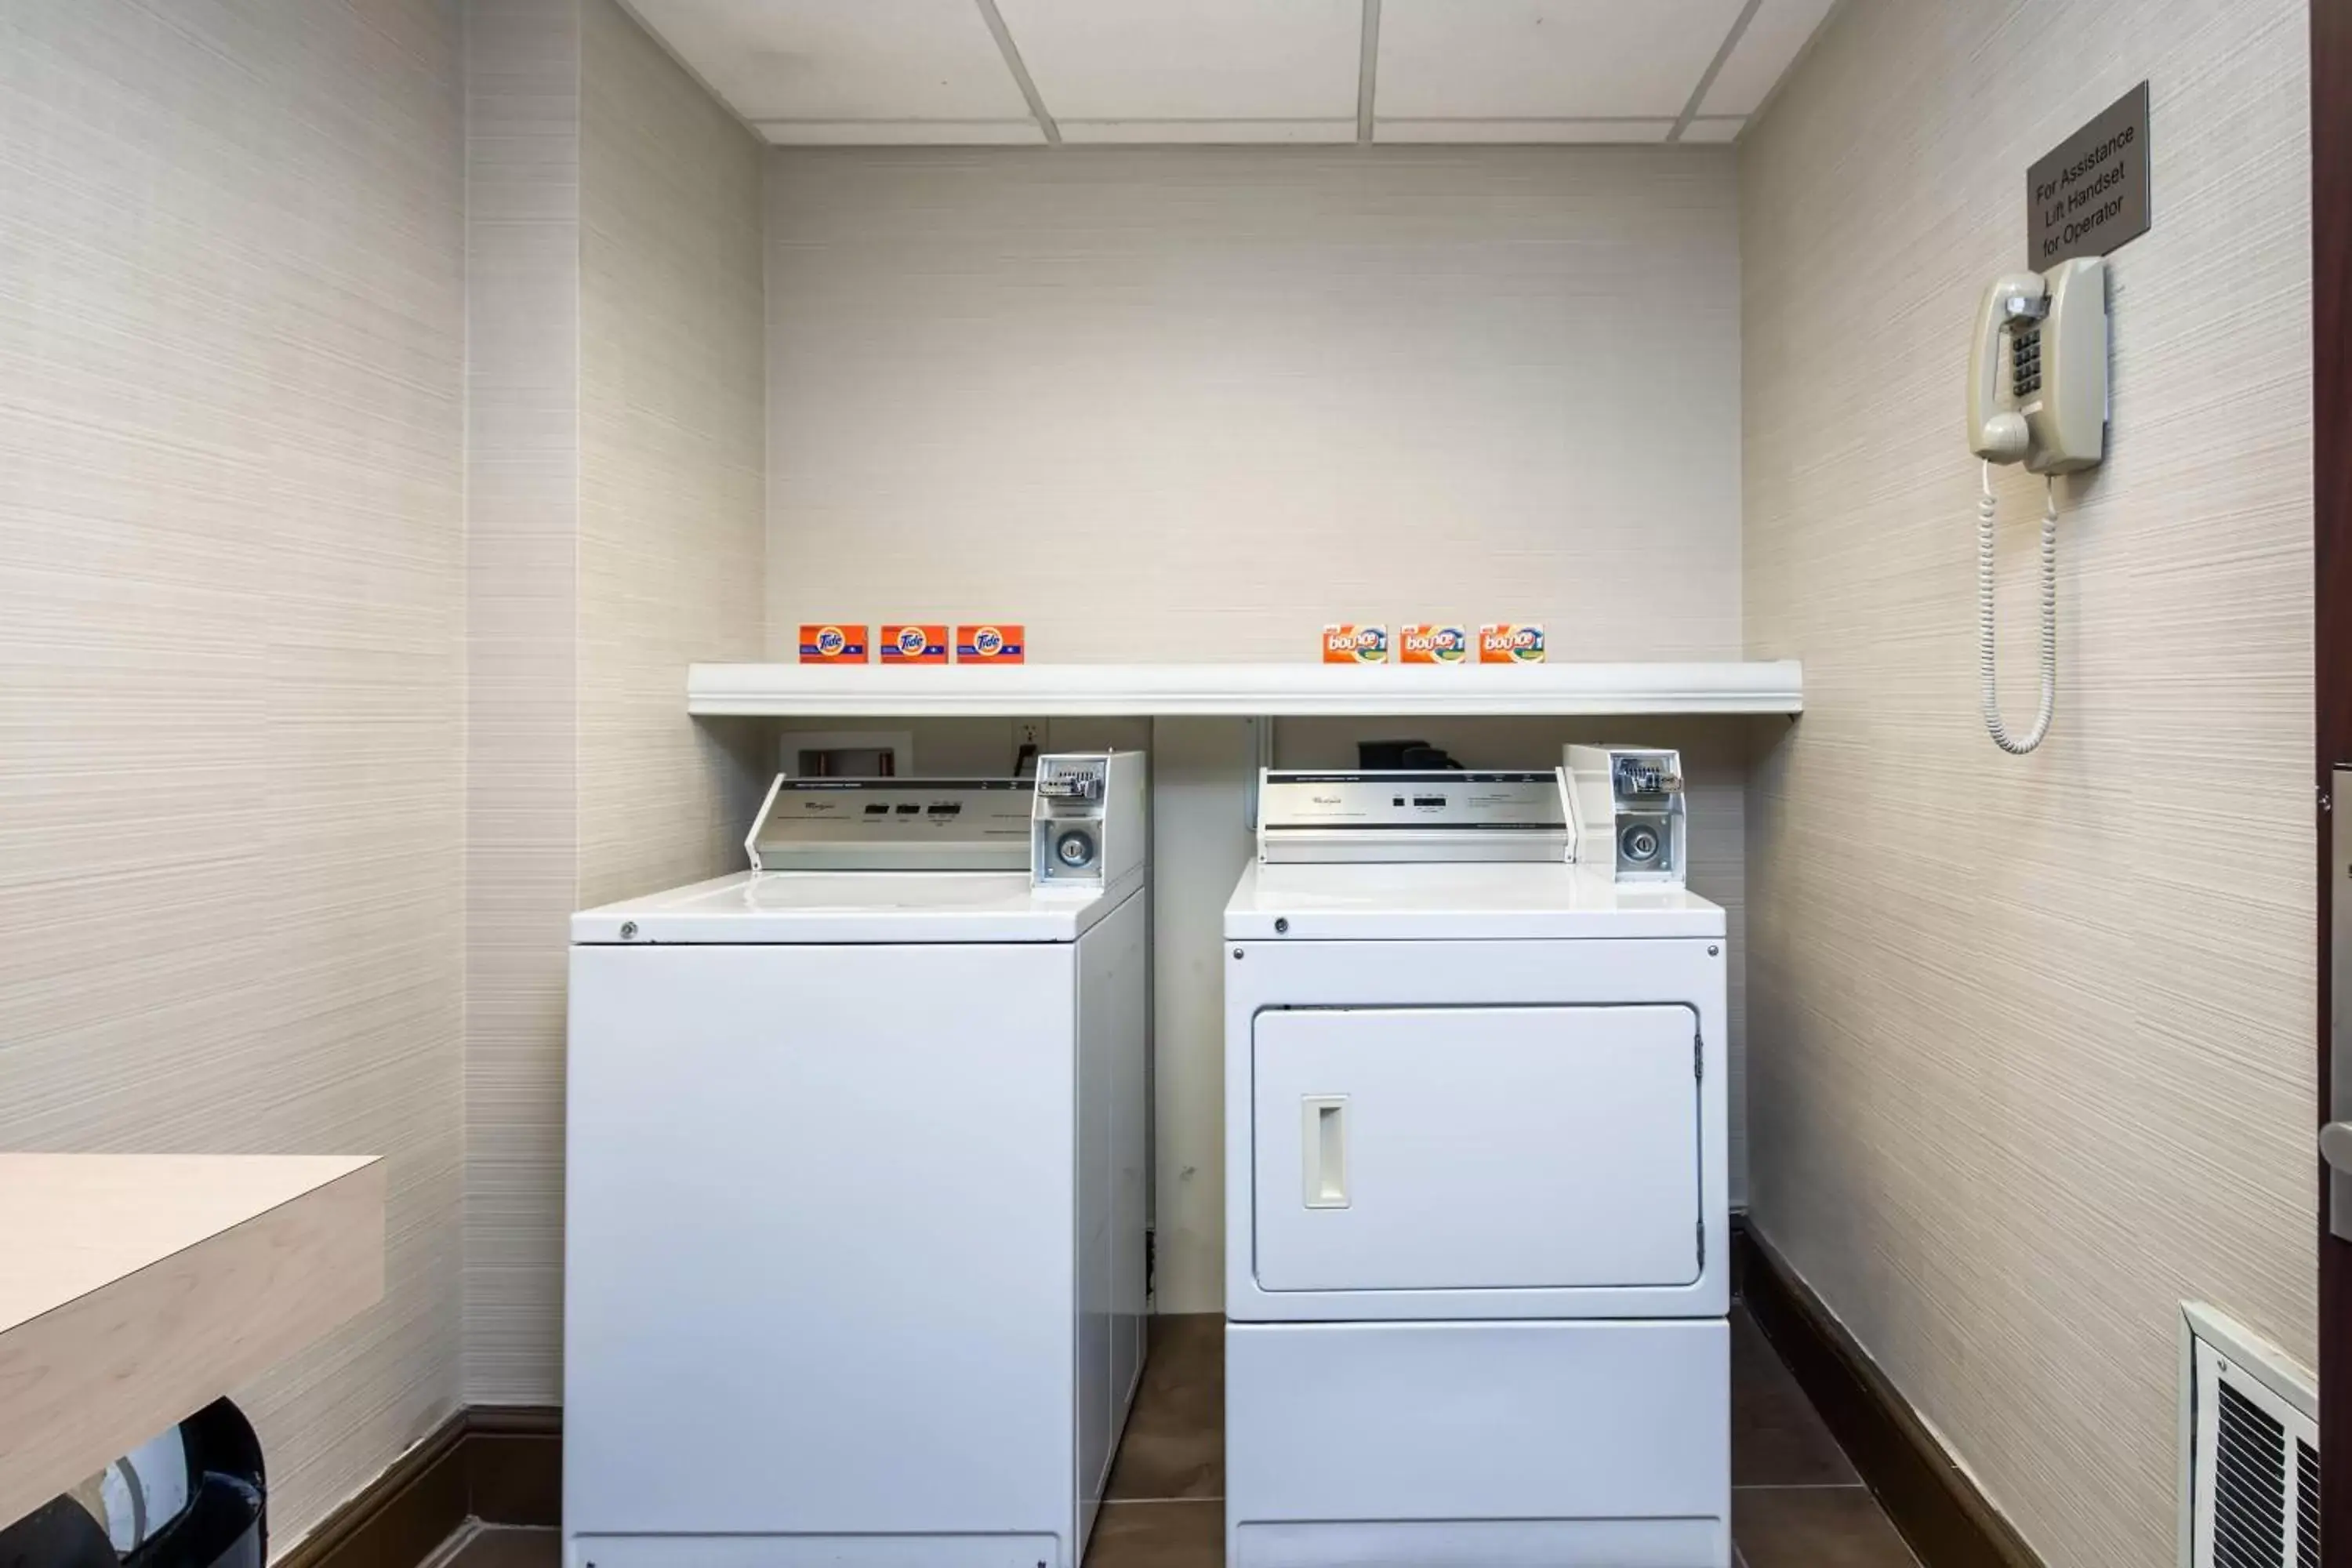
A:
[(2037, 395)]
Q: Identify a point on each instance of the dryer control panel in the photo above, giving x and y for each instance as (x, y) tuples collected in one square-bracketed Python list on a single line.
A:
[(1629, 807), (1445, 815)]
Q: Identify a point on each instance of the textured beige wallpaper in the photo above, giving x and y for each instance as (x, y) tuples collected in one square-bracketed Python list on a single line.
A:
[(522, 373), (1193, 404), (673, 398), (618, 535), (232, 681), (2031, 1046)]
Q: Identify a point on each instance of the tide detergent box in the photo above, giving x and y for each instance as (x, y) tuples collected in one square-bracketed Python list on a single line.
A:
[(914, 645), (826, 642), (1350, 644), (1510, 644), (1000, 642), (1432, 645)]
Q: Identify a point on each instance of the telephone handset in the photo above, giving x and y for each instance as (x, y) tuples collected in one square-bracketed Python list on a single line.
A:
[(2045, 402), (2042, 403)]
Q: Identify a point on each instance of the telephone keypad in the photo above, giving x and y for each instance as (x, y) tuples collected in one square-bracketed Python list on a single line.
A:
[(2026, 362)]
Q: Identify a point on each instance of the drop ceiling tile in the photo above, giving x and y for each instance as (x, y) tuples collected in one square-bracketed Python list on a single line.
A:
[(1543, 59), (1206, 133), (835, 60), (901, 132), (1710, 128), (1780, 30), (1179, 60), (1521, 130)]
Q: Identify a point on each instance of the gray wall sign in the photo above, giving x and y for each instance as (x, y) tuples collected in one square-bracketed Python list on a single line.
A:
[(2089, 194)]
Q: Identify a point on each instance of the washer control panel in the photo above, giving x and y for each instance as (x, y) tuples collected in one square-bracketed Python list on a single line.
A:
[(891, 825), (1082, 821)]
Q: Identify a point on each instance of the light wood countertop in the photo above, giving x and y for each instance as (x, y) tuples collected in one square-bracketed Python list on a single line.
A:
[(137, 1288)]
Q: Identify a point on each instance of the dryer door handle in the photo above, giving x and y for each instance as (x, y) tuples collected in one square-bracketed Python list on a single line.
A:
[(1323, 1151)]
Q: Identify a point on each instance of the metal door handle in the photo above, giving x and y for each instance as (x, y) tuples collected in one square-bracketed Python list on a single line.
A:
[(2336, 1137)]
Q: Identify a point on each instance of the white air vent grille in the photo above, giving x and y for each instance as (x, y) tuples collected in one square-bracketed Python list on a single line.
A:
[(2249, 1485), (2251, 1459), (2306, 1506)]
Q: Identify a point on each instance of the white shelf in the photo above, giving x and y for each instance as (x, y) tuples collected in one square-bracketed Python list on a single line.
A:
[(1279, 690)]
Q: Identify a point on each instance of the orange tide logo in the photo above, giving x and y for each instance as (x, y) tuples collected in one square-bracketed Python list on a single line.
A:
[(1002, 642), (1350, 644), (914, 645), (828, 643)]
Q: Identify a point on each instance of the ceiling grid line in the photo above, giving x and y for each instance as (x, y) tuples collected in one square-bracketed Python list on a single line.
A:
[(1715, 69), (1243, 72), (1552, 119), (1020, 69)]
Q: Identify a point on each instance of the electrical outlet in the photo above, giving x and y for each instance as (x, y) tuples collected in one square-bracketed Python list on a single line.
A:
[(1028, 745)]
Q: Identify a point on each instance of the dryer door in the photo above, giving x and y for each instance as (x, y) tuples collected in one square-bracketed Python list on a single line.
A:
[(1476, 1148)]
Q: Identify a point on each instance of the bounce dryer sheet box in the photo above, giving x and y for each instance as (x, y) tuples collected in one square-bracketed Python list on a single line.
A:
[(914, 645), (1430, 644), (1351, 644), (995, 642), (1510, 644), (826, 642)]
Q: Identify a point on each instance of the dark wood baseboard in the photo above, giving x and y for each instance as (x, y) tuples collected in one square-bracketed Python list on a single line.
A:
[(1947, 1521), (500, 1464)]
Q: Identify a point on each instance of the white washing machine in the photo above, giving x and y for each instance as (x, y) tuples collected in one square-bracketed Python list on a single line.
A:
[(1478, 1247), (855, 1187)]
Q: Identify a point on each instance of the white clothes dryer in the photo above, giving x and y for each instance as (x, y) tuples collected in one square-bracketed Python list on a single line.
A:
[(1477, 1245)]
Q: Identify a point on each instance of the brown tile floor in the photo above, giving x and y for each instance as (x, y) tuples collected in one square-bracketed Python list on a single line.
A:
[(1796, 1502)]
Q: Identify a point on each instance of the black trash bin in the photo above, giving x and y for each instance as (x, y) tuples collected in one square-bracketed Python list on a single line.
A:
[(59, 1533), (220, 1518)]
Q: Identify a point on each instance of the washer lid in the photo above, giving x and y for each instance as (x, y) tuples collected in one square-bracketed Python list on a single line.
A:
[(1459, 900), (752, 907)]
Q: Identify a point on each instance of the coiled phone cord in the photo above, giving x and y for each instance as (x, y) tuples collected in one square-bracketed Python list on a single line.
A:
[(1988, 618)]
